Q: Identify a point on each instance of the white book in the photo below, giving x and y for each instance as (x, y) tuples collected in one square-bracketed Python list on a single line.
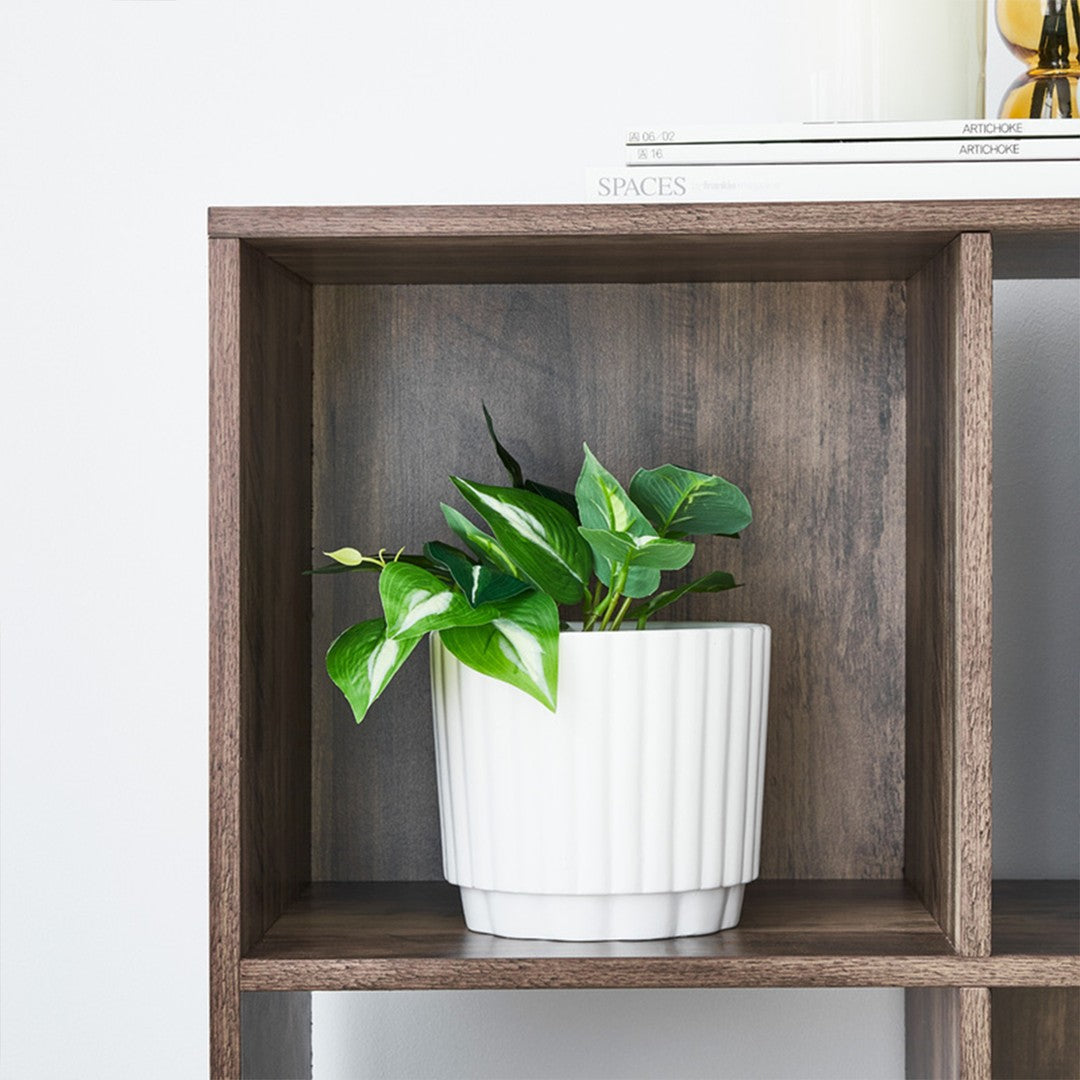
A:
[(869, 151), (844, 131), (832, 182)]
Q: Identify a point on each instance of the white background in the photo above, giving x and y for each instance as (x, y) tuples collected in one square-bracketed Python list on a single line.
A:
[(121, 123)]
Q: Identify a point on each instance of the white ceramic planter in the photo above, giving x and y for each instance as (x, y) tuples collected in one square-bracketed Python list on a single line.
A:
[(633, 812)]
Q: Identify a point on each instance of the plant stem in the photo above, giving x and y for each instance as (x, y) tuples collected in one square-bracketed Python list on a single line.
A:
[(599, 611), (622, 613), (610, 608), (618, 583), (597, 608)]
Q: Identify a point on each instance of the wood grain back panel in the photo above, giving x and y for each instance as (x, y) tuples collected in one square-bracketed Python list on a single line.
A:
[(1040, 918), (1036, 1033), (794, 391), (949, 590)]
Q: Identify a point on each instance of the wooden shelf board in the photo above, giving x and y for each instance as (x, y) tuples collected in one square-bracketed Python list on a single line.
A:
[(676, 242), (410, 935)]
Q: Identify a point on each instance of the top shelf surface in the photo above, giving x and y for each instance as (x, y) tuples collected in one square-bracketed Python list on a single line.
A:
[(1033, 238)]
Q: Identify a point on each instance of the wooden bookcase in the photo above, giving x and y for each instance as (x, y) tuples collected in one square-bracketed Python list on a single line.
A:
[(834, 359)]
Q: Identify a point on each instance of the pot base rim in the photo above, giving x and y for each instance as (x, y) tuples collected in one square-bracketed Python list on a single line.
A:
[(602, 917)]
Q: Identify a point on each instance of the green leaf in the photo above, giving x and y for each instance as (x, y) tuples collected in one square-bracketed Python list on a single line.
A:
[(480, 584), (415, 602), (651, 552), (564, 498), (603, 504), (680, 502), (508, 459), (487, 548), (521, 647), (362, 660), (539, 536), (717, 581)]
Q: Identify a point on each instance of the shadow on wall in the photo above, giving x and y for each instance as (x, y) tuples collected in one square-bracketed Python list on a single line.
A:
[(677, 1034), (1036, 579)]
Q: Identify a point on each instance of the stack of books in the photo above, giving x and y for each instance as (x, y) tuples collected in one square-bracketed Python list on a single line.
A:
[(857, 143), (751, 162)]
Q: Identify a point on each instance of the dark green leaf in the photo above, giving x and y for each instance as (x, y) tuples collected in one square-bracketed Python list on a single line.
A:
[(480, 584), (362, 660), (564, 498), (508, 459), (337, 568), (539, 536), (521, 647), (487, 548), (680, 502), (368, 568), (717, 581)]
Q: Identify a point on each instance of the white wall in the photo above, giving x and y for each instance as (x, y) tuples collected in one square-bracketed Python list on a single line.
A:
[(121, 123)]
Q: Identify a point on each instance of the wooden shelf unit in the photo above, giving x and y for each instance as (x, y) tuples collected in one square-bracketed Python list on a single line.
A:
[(834, 359)]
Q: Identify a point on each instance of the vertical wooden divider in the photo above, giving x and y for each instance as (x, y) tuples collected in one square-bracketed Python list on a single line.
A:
[(260, 675), (948, 1033), (224, 658), (948, 660)]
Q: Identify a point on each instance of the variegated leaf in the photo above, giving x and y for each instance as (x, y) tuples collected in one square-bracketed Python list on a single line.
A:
[(539, 536), (480, 584), (520, 647), (362, 660), (681, 502), (415, 602)]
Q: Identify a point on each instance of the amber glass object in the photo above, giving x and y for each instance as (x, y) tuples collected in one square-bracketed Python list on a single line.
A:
[(1043, 33)]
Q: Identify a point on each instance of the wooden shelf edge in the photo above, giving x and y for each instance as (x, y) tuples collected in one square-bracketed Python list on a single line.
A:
[(410, 936), (1027, 216), (656, 973)]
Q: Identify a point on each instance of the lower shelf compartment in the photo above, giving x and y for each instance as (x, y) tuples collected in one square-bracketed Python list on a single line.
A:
[(410, 935)]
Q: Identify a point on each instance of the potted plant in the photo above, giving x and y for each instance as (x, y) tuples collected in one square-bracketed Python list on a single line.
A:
[(595, 782)]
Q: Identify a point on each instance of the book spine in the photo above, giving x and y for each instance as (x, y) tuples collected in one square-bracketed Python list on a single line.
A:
[(869, 152), (827, 181), (830, 132)]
